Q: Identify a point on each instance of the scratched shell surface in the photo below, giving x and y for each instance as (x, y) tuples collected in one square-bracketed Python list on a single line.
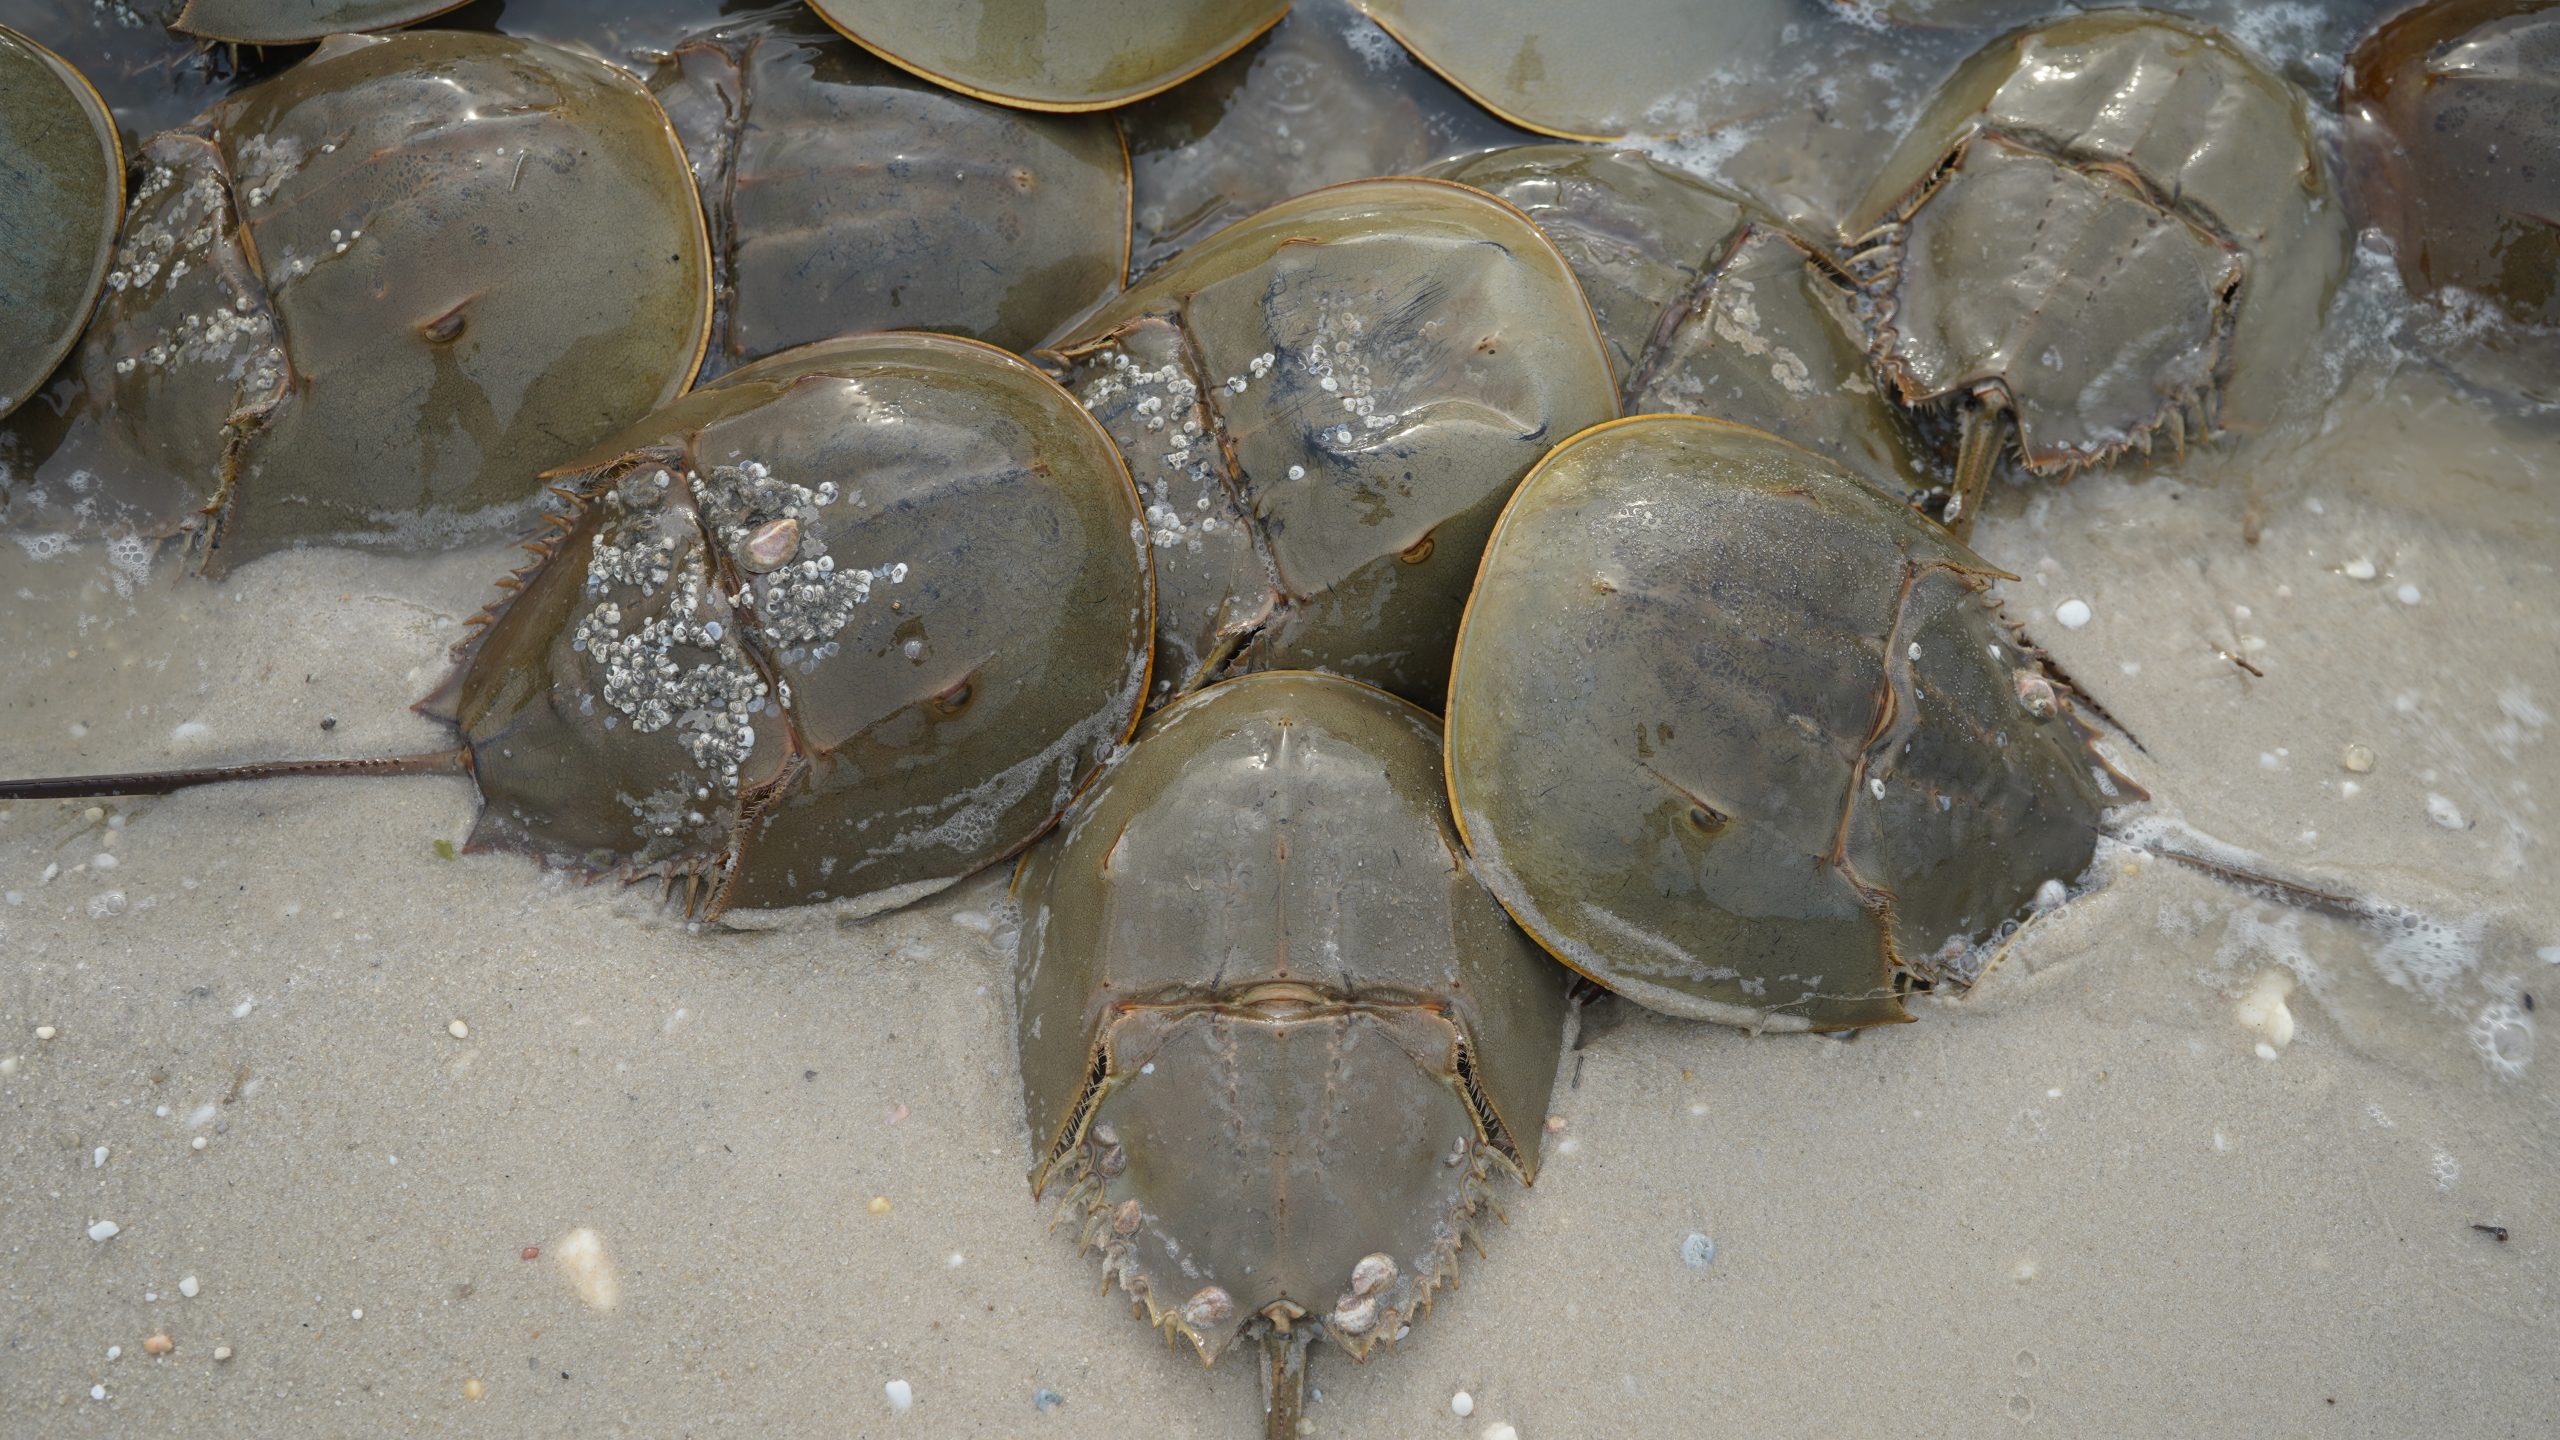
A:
[(405, 276), (884, 616), (1089, 55), (1325, 407), (845, 194), (61, 190), (2453, 139), (1254, 964), (2121, 219), (1711, 305), (1586, 69), (1740, 738), (295, 22)]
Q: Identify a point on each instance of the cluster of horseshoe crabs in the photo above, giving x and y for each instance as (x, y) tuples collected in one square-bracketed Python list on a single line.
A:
[(1733, 728)]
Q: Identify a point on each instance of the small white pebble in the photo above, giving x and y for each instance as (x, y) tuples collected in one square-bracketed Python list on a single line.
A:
[(2358, 569), (1498, 1431), (221, 1352), (102, 861), (955, 1260), (2072, 614), (97, 1392), (98, 1158), (2407, 595), (2356, 759), (458, 1030), (197, 1143), (1697, 1251), (1462, 1404), (114, 1353), (2444, 812), (46, 1032), (356, 1314), (188, 1287), (2266, 1051), (902, 1396), (104, 1231)]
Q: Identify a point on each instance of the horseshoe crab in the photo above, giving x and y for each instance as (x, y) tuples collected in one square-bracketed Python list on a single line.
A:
[(1325, 407), (845, 625), (265, 22), (2453, 137), (1324, 97), (1710, 305), (1275, 1038), (2106, 231), (847, 195), (1028, 53), (1741, 739), (61, 195), (337, 305), (1595, 70)]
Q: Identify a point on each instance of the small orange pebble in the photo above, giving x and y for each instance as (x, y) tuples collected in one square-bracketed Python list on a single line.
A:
[(472, 1389), (530, 1252), (159, 1344), (1555, 1124), (879, 1205)]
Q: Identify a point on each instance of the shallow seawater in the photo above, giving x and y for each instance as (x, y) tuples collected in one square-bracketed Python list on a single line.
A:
[(485, 1151)]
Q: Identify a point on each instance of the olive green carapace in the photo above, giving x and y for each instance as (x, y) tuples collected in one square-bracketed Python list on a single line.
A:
[(61, 192), (298, 22), (2117, 227), (1325, 407), (846, 195), (1275, 1038), (1586, 69), (400, 279), (1743, 740), (1711, 305), (1039, 55), (846, 625), (2453, 144)]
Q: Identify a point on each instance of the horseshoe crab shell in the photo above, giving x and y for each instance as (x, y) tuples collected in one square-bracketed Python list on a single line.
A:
[(1325, 406), (1086, 56), (337, 305), (1742, 739), (2453, 134), (61, 195), (1711, 305), (268, 22), (2116, 228), (847, 624), (846, 195), (1275, 1038), (1594, 70)]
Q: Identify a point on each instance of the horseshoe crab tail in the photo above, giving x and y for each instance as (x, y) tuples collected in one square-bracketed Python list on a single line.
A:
[(163, 782), (1986, 433), (1284, 1380)]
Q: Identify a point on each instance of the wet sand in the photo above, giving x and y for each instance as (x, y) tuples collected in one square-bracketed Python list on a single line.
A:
[(2078, 1200)]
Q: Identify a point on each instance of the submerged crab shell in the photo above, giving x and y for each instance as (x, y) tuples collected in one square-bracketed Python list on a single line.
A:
[(2076, 185), (1739, 738), (1582, 69), (343, 307), (847, 195), (1255, 965), (296, 22), (1090, 55), (999, 655), (1711, 305), (2453, 134), (1312, 103), (61, 192), (1327, 513)]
